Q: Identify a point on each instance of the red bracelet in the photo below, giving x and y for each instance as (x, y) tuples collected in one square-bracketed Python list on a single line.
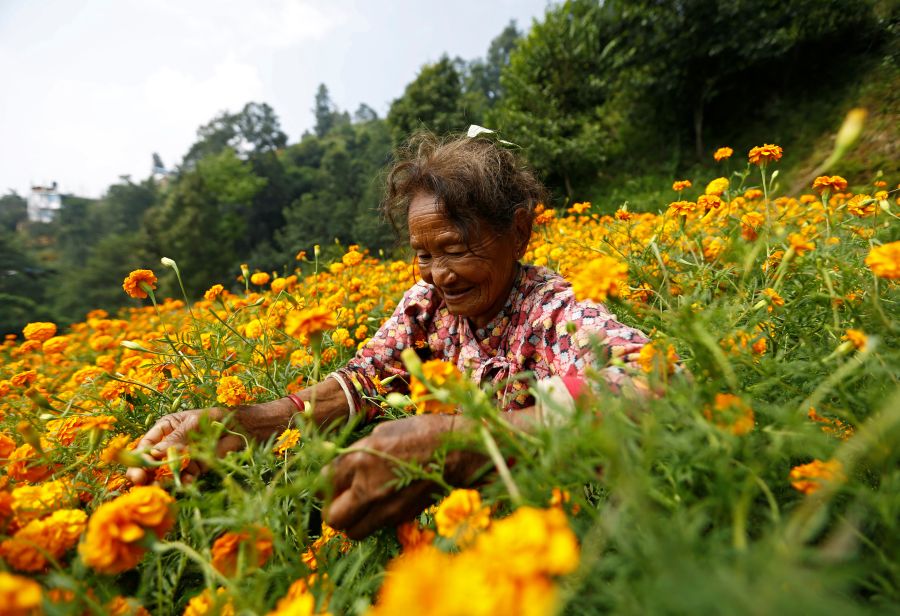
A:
[(298, 402)]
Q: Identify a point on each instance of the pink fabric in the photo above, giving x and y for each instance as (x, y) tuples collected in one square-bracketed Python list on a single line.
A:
[(530, 334)]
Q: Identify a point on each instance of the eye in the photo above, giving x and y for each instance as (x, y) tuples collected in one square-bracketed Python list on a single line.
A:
[(423, 257)]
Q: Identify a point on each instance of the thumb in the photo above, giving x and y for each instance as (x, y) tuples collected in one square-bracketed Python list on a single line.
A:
[(177, 439)]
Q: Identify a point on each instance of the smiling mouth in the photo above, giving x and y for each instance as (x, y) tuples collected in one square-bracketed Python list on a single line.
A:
[(455, 294)]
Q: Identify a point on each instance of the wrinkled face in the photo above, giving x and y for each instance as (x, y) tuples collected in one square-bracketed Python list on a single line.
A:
[(474, 279)]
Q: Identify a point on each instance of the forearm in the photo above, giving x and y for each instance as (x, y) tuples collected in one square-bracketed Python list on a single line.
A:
[(327, 403)]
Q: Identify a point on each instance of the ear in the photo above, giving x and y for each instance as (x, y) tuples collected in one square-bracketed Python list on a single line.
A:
[(521, 231)]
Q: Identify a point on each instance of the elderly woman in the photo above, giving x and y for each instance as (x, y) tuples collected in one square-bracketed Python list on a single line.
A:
[(467, 206)]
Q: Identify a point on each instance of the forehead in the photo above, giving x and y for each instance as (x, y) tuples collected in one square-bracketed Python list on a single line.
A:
[(427, 218)]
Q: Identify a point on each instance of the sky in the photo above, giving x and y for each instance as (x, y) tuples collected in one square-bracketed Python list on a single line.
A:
[(90, 89)]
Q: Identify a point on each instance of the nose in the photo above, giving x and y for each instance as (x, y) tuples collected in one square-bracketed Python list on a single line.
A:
[(442, 274)]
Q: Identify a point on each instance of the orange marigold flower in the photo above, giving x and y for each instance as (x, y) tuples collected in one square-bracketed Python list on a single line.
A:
[(412, 536), (122, 606), (351, 258), (136, 282), (51, 537), (722, 153), (601, 278), (652, 359), (39, 331), (862, 206), (260, 278), (680, 185), (309, 321), (761, 155), (857, 338), (580, 208), (231, 392), (23, 379), (115, 539), (24, 465), (213, 292), (774, 298), (799, 243), (731, 414), (36, 501), (753, 194), (438, 373), (207, 604), (56, 344), (256, 542), (461, 515), (19, 596), (809, 478), (831, 183), (683, 208), (709, 202), (623, 214)]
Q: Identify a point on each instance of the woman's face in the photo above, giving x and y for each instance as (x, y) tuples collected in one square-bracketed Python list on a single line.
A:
[(474, 279)]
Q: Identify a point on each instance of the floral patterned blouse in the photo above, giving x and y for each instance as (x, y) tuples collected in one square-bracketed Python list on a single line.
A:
[(541, 329)]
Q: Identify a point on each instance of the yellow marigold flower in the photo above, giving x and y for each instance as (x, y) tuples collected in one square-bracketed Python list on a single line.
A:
[(56, 344), (257, 543), (278, 285), (580, 208), (351, 258), (679, 185), (862, 206), (831, 183), (683, 208), (115, 538), (652, 359), (722, 153), (114, 447), (809, 478), (22, 465), (39, 331), (19, 596), (361, 332), (23, 379), (254, 329), (30, 502), (461, 515), (53, 536), (731, 414), (857, 337), (231, 392), (135, 282), (260, 278), (717, 187), (213, 292), (601, 278), (309, 321), (327, 534), (709, 202), (287, 440), (761, 155), (340, 335), (438, 373), (207, 604), (123, 606)]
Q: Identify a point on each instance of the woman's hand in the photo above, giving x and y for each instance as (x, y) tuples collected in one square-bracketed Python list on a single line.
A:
[(365, 498), (174, 431)]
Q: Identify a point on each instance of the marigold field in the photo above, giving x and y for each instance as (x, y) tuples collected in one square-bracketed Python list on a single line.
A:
[(761, 477)]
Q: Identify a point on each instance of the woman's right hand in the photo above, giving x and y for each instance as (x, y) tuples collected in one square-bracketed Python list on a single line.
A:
[(174, 430)]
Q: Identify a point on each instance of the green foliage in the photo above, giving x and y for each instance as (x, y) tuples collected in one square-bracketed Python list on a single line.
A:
[(13, 210)]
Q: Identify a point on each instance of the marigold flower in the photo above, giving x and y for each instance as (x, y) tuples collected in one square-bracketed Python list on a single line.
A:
[(652, 359), (327, 534), (580, 208), (809, 478), (53, 536), (299, 600), (257, 542), (309, 321), (260, 278), (351, 258), (683, 208), (831, 183), (774, 298), (752, 194), (461, 515), (23, 379), (35, 501), (761, 155), (19, 596), (213, 292), (39, 331), (286, 440), (115, 537), (134, 284), (800, 244), (709, 202), (717, 187), (231, 392), (601, 278), (438, 373), (722, 153), (412, 536), (862, 206), (207, 604), (123, 606), (56, 344), (856, 337), (731, 414), (679, 185)]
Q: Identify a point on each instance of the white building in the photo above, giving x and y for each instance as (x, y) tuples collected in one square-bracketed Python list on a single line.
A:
[(43, 203)]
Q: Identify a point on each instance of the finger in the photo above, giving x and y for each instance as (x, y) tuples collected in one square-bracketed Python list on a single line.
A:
[(228, 443), (177, 438), (345, 468), (393, 509), (346, 509), (137, 476), (161, 428), (191, 472)]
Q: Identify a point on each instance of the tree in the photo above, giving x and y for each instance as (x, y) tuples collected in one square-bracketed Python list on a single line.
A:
[(13, 210), (559, 103), (484, 75), (433, 100), (254, 130)]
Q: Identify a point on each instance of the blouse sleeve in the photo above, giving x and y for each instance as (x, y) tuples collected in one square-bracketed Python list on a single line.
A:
[(379, 359)]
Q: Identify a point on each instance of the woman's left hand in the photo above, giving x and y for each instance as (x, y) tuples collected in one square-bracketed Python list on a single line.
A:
[(365, 497)]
